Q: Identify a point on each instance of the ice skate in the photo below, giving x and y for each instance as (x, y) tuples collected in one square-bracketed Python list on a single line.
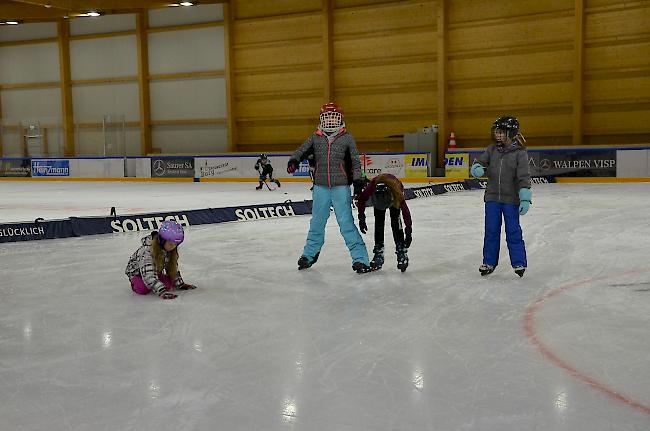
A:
[(486, 269), (519, 270), (360, 267), (304, 262), (378, 259), (402, 258)]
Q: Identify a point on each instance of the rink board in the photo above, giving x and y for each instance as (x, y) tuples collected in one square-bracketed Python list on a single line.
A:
[(83, 226)]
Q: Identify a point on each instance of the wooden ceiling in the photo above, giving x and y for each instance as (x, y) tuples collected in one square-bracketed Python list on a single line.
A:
[(48, 10)]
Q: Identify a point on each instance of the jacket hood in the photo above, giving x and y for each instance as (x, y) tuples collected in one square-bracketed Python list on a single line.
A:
[(147, 240)]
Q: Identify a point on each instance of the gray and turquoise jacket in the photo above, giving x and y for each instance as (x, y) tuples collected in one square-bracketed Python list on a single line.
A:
[(330, 155), (507, 172), (142, 264)]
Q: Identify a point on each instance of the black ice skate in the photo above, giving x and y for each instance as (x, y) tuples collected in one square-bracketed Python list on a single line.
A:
[(277, 182), (519, 270), (259, 187), (402, 258), (360, 267), (304, 262), (486, 269), (378, 259)]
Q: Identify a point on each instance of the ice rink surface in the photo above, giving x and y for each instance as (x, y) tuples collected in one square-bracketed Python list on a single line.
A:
[(260, 346)]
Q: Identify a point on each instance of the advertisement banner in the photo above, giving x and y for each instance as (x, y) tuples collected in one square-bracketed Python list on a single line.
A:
[(15, 232), (15, 168), (457, 165), (574, 163), (375, 164), (172, 167), (220, 167), (50, 168), (81, 226), (416, 165)]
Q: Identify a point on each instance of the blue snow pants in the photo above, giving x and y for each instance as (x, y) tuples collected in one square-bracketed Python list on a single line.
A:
[(340, 199), (494, 211)]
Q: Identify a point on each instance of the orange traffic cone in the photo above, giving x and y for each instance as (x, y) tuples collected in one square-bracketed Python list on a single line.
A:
[(452, 141)]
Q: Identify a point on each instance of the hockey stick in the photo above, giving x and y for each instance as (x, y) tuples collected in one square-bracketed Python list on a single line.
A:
[(267, 186)]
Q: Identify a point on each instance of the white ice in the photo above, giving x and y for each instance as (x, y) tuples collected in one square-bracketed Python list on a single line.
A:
[(262, 346)]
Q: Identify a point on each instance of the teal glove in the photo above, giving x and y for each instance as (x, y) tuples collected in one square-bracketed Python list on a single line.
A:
[(525, 198), (477, 170)]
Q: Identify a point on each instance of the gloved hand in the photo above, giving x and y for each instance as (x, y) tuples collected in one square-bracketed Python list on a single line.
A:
[(525, 199), (477, 170), (167, 295), (186, 286), (358, 188), (408, 237), (363, 227), (292, 166)]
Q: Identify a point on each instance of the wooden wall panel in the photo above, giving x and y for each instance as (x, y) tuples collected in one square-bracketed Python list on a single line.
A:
[(617, 72), (265, 31), (512, 57), (389, 47), (469, 11), (384, 75), (384, 17), (260, 85), (270, 9), (384, 69)]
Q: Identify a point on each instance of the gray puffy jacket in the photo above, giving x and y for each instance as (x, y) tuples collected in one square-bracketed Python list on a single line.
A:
[(507, 172), (330, 170)]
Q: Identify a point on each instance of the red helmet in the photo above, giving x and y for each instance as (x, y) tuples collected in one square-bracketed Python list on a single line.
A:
[(331, 117), (331, 107)]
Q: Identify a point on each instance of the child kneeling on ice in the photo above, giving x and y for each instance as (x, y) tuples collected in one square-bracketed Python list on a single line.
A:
[(158, 253)]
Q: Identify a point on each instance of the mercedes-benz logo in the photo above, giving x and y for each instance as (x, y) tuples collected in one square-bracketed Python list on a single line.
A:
[(545, 164), (159, 167)]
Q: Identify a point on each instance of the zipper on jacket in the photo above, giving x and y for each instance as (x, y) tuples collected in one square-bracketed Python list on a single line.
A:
[(500, 166), (329, 179)]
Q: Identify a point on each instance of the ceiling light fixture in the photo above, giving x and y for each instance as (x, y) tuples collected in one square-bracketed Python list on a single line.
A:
[(186, 3), (93, 13), (12, 22)]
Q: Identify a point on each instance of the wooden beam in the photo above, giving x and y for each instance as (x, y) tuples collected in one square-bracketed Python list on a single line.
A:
[(30, 85), (191, 122), (29, 41), (102, 35), (182, 27), (188, 75), (142, 22), (36, 11), (65, 80), (328, 51), (229, 40), (578, 71), (441, 72), (104, 81)]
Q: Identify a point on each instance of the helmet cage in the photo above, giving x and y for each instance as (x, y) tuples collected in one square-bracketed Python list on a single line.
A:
[(331, 121)]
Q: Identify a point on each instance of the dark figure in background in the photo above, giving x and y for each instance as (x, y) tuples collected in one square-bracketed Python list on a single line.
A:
[(263, 166)]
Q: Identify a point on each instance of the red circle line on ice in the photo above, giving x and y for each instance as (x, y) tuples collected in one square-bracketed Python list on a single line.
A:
[(547, 352)]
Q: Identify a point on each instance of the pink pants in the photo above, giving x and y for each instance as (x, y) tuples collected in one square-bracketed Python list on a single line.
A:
[(138, 286)]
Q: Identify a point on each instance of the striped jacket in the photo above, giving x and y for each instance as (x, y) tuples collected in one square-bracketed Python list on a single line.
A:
[(330, 158), (142, 263)]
